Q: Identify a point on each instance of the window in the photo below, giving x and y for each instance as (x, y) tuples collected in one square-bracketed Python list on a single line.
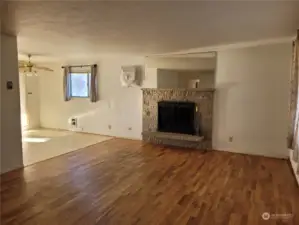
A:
[(79, 85)]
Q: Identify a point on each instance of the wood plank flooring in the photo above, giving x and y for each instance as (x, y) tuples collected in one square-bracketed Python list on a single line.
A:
[(128, 182)]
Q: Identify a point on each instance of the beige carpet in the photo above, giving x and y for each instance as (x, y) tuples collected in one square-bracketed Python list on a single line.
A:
[(39, 145)]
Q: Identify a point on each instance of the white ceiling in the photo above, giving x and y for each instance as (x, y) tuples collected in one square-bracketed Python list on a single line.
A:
[(84, 28)]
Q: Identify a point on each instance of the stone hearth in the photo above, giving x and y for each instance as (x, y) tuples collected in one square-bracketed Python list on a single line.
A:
[(203, 98)]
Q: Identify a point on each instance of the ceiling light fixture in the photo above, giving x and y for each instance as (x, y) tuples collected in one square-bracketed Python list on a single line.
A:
[(29, 68)]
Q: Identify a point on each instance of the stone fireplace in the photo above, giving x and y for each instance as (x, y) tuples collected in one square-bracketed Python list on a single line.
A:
[(178, 117)]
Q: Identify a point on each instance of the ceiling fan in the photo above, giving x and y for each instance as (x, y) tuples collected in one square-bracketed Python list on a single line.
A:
[(29, 68)]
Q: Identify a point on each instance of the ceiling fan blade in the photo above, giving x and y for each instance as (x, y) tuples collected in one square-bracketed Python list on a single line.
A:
[(22, 63), (43, 68), (22, 66), (23, 70)]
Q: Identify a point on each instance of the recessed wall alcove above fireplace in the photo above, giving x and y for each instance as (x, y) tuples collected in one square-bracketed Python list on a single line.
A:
[(178, 117)]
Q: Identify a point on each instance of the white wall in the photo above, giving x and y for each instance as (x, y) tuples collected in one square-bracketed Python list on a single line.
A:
[(32, 101), (183, 78), (24, 117), (251, 101), (167, 79), (207, 78), (29, 95), (151, 77), (11, 146), (157, 66), (120, 107), (181, 63)]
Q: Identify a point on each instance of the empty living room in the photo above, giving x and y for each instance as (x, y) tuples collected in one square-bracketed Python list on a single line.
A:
[(149, 112)]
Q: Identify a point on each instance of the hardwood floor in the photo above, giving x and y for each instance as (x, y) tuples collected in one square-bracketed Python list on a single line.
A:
[(128, 182)]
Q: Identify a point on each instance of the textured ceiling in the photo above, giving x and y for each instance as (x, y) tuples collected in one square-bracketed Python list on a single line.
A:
[(81, 28)]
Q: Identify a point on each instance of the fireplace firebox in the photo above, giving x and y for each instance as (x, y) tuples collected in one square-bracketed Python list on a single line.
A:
[(176, 117)]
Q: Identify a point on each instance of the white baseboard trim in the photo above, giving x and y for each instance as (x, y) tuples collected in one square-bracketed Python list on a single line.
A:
[(294, 166), (80, 130), (270, 155)]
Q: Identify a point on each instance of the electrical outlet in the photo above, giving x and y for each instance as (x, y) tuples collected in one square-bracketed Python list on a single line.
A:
[(109, 126), (231, 138), (130, 128)]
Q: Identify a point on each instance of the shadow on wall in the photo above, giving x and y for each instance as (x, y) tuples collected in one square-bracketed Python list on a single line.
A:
[(220, 114), (140, 75)]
